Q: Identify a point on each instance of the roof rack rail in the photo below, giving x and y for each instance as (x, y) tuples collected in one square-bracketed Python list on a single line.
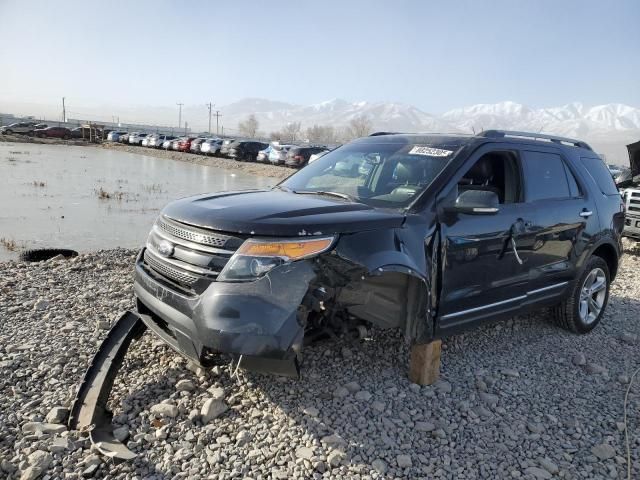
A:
[(377, 134), (534, 136)]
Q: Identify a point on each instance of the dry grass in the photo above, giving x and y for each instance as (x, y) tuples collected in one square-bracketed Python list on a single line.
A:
[(105, 195), (37, 183), (153, 188), (9, 244)]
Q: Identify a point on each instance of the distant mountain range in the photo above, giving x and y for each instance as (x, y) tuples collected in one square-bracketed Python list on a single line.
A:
[(607, 127)]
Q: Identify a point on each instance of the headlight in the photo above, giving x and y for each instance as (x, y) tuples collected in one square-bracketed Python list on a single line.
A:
[(257, 257)]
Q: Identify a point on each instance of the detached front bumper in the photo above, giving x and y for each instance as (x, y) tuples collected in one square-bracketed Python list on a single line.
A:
[(262, 318)]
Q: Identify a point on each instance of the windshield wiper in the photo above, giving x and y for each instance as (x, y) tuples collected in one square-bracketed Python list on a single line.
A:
[(323, 192)]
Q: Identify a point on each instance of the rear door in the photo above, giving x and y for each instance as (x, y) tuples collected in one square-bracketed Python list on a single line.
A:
[(564, 213)]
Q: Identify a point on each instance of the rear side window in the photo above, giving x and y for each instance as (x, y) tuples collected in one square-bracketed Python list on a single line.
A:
[(601, 175), (544, 176)]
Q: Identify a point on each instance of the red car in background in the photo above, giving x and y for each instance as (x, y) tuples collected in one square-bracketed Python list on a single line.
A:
[(53, 132), (184, 145)]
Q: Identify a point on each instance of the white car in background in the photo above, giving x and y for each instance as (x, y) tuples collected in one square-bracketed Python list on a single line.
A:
[(136, 138), (278, 153), (211, 146)]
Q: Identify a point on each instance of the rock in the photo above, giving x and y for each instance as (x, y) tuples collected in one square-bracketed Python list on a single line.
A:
[(30, 473), (41, 304), (121, 433), (424, 426), (311, 411), (216, 393), (40, 459), (603, 451), (363, 396), (90, 471), (60, 444), (535, 427), (346, 353), (185, 386), (510, 372), (103, 325), (579, 359), (7, 467), (378, 406), (165, 410), (335, 458), (443, 386), (549, 466), (488, 398), (379, 466), (537, 472), (595, 369), (353, 387), (404, 461), (57, 415), (91, 460), (304, 452), (333, 441), (212, 408), (340, 392), (194, 415), (242, 438), (628, 338), (35, 427)]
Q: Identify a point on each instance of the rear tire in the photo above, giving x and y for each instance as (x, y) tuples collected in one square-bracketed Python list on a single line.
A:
[(585, 306)]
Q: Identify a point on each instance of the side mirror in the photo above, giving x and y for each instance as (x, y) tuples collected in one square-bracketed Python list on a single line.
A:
[(477, 202)]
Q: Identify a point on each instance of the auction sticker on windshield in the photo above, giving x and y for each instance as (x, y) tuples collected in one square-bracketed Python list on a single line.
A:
[(430, 151)]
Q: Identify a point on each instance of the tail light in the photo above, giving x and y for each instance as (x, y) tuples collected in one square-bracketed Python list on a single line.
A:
[(299, 158)]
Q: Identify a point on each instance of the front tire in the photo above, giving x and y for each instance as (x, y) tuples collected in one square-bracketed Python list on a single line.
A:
[(584, 308)]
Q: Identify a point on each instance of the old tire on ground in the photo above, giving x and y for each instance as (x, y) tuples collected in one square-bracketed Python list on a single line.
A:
[(40, 254), (583, 309)]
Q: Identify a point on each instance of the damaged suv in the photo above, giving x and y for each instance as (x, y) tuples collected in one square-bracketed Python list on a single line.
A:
[(431, 234)]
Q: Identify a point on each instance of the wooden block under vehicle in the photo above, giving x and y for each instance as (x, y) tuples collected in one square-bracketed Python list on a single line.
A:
[(424, 366)]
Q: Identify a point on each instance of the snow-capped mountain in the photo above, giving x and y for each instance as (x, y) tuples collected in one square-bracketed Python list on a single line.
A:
[(607, 127)]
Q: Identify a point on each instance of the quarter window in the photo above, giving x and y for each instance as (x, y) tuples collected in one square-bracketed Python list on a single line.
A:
[(601, 175), (545, 176)]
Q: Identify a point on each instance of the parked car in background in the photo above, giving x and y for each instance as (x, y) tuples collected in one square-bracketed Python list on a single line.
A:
[(114, 136), (21, 127), (145, 141), (211, 146), (298, 157), (184, 145), (40, 126), (124, 138), (136, 138), (245, 150), (263, 155), (224, 148), (158, 141), (53, 132), (316, 156), (278, 153), (195, 144), (174, 143)]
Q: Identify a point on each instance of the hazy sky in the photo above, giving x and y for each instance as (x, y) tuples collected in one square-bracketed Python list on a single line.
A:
[(436, 55)]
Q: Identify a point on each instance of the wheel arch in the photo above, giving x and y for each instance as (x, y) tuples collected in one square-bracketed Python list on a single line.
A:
[(609, 254)]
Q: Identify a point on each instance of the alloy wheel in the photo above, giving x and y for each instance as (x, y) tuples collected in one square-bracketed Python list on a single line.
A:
[(592, 295)]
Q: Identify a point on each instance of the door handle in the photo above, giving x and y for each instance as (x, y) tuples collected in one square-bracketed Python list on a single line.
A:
[(586, 213)]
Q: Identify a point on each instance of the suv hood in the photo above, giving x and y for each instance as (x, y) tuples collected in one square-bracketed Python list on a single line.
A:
[(279, 213)]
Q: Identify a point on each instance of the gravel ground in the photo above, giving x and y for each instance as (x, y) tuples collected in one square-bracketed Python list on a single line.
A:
[(262, 169), (518, 399)]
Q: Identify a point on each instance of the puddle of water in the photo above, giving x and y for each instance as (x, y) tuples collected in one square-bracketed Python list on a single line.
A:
[(50, 194)]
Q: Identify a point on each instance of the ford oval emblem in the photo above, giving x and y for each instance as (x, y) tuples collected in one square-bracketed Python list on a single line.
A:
[(165, 248)]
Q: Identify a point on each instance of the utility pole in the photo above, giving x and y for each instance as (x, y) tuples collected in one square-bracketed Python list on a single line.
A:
[(185, 128), (64, 112), (217, 122), (209, 106), (179, 114)]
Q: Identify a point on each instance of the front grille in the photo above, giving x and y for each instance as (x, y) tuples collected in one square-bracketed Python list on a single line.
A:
[(194, 235), (633, 201), (168, 271), (192, 254)]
